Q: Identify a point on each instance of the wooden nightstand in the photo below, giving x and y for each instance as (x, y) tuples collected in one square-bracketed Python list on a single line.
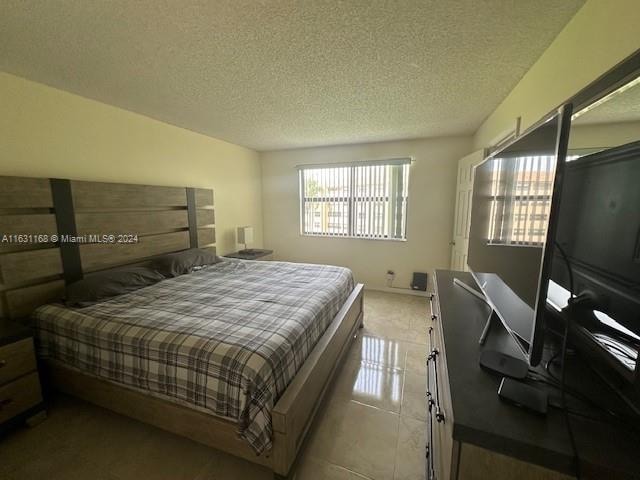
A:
[(20, 391), (252, 254)]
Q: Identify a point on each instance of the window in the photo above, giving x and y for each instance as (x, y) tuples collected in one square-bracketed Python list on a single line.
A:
[(520, 199), (359, 200)]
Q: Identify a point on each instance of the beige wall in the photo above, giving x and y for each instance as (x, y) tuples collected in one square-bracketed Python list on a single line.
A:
[(603, 135), (599, 36), (46, 132), (430, 220)]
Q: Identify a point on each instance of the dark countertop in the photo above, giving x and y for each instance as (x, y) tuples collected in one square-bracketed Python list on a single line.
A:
[(255, 253), (482, 419)]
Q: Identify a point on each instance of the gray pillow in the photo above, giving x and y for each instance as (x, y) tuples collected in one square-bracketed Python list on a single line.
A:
[(102, 286), (174, 264)]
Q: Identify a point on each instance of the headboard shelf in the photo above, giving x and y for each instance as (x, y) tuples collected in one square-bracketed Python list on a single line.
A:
[(30, 264), (25, 192), (100, 256), (165, 219), (118, 195), (139, 222)]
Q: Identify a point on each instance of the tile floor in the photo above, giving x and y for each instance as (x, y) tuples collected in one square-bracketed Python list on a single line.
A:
[(371, 427)]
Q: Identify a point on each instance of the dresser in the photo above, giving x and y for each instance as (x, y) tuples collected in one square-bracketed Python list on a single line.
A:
[(472, 434), (20, 391)]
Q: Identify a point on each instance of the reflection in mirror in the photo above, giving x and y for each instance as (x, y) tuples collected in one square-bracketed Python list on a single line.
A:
[(612, 121), (622, 343)]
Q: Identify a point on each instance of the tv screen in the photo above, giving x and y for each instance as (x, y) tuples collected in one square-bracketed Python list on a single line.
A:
[(599, 230), (513, 202)]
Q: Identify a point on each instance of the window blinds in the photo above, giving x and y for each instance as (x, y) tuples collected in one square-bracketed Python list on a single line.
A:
[(361, 200)]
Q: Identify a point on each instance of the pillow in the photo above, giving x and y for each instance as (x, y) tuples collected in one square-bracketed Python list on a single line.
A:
[(174, 264), (102, 286)]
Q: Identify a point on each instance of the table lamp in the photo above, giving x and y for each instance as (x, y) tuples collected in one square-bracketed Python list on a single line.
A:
[(245, 236)]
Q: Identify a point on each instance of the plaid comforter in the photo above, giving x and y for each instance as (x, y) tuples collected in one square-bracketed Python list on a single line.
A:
[(227, 339)]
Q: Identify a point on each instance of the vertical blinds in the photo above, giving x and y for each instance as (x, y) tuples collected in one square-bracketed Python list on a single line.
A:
[(362, 200), (520, 199)]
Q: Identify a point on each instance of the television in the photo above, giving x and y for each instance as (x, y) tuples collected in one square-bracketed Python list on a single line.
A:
[(515, 200), (599, 231)]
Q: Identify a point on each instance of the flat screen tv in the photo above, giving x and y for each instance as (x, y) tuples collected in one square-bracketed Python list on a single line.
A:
[(515, 201), (599, 231)]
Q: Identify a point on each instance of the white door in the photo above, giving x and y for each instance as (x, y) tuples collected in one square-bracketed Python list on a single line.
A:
[(462, 220)]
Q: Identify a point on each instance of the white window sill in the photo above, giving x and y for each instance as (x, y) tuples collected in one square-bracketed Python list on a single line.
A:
[(350, 237)]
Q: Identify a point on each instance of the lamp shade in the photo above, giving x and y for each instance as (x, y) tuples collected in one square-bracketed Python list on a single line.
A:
[(245, 235)]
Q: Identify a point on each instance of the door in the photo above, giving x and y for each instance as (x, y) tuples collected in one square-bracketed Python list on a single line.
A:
[(462, 219)]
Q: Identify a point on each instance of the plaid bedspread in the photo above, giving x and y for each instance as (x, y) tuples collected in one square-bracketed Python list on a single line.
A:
[(227, 339)]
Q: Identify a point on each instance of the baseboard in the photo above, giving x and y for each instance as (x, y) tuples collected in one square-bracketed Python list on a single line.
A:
[(400, 290)]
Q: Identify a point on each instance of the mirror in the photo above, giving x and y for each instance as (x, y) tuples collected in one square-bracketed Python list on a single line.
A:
[(612, 121), (599, 227)]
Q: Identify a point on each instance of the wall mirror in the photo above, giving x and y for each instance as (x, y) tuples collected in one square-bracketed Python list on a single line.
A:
[(610, 121)]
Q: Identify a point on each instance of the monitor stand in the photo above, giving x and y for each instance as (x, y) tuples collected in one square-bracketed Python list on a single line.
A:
[(476, 293), (492, 359)]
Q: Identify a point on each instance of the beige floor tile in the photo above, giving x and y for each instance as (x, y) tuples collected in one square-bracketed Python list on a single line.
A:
[(26, 446), (357, 437), (383, 329), (69, 466), (396, 316), (372, 384), (410, 457), (420, 323), (97, 433), (163, 456), (414, 401), (228, 467), (416, 359), (378, 350), (316, 469)]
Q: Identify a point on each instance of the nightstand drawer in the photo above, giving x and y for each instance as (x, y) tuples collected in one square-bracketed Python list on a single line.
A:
[(16, 359), (19, 395)]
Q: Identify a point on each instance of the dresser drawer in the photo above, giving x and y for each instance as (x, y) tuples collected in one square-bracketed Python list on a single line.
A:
[(19, 395), (16, 359), (440, 411)]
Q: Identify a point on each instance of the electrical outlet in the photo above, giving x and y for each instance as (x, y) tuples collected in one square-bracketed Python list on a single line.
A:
[(390, 275)]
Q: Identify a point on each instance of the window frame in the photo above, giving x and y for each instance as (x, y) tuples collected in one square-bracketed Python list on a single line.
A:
[(350, 200), (527, 226)]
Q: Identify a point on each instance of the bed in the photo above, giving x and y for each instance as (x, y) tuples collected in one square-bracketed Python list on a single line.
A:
[(225, 340), (157, 354)]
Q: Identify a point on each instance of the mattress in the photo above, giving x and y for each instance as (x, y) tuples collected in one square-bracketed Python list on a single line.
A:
[(227, 339)]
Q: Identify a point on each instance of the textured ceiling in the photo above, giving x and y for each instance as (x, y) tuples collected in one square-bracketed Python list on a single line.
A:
[(283, 73), (622, 107)]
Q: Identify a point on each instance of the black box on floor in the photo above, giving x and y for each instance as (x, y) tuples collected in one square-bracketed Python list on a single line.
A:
[(419, 281)]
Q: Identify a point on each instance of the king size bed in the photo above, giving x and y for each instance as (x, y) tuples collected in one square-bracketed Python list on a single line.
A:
[(236, 355)]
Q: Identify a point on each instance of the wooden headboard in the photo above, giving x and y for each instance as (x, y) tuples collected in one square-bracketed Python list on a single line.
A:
[(34, 267)]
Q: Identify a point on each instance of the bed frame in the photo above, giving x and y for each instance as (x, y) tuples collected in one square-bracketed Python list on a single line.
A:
[(34, 271)]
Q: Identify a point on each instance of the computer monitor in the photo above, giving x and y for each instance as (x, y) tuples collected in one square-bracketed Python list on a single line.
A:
[(513, 219)]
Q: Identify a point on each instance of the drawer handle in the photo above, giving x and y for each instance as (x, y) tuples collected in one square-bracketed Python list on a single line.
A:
[(439, 415), (2, 363), (433, 315), (5, 402)]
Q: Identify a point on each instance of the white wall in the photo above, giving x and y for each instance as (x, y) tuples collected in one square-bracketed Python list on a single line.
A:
[(603, 135), (602, 34), (430, 219)]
